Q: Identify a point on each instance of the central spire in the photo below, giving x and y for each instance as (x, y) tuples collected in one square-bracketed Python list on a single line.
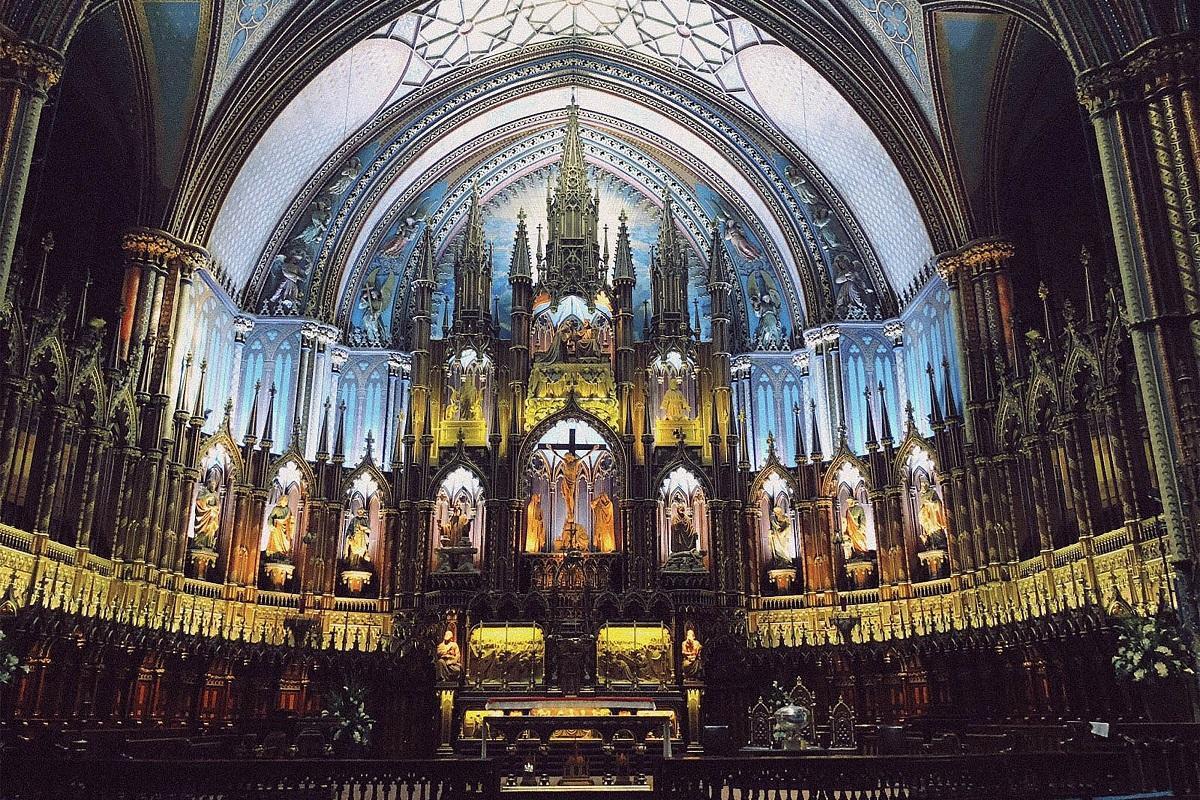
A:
[(573, 262), (572, 171)]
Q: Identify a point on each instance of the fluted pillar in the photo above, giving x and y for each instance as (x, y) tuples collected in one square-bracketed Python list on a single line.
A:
[(1145, 110), (27, 73)]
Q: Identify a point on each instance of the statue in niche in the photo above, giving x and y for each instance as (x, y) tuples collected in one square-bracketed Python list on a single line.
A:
[(281, 524), (674, 405), (764, 299), (691, 648), (852, 294), (575, 341), (854, 528), (464, 400), (449, 658), (358, 541), (782, 540), (738, 239), (684, 538), (456, 530), (535, 525), (604, 530), (208, 515), (932, 519), (570, 469)]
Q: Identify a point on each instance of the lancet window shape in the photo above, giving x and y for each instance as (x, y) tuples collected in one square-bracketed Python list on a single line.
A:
[(283, 525), (683, 522), (855, 527), (779, 538), (458, 522), (359, 545)]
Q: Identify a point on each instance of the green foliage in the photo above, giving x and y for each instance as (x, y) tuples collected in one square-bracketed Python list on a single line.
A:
[(1150, 650), (347, 706), (10, 665)]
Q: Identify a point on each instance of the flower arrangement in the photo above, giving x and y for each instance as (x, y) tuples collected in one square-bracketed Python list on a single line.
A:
[(1150, 650), (10, 665), (347, 706)]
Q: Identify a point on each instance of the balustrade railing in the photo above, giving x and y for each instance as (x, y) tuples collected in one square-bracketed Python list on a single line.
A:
[(1043, 775)]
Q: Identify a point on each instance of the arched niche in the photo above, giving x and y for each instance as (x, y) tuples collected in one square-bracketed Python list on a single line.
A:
[(674, 388), (779, 539), (283, 524), (207, 532), (854, 527), (359, 547), (458, 522), (571, 331), (572, 482), (468, 385), (683, 522), (926, 514)]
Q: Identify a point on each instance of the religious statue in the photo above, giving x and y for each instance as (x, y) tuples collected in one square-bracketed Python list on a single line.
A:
[(603, 528), (741, 243), (691, 654), (535, 525), (456, 529), (764, 299), (683, 535), (932, 519), (358, 541), (280, 526), (853, 296), (449, 658), (464, 400), (854, 528), (570, 470), (208, 515), (587, 342), (783, 542), (371, 303), (674, 405)]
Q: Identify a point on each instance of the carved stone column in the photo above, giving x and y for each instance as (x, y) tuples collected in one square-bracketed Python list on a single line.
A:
[(1145, 109), (27, 73)]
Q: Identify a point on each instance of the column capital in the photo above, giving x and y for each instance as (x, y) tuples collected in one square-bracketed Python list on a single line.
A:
[(1158, 65), (974, 257), (39, 67), (160, 249)]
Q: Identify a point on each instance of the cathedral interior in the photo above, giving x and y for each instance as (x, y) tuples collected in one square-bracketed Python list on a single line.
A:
[(680, 397)]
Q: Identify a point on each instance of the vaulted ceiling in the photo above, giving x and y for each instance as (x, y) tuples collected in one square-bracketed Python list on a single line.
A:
[(836, 135)]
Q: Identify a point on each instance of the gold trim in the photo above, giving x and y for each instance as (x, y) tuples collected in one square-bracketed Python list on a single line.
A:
[(1158, 65), (974, 257), (37, 65)]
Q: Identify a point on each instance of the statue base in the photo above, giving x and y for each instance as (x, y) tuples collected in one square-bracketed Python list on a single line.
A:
[(933, 561), (278, 573), (685, 561), (573, 537), (203, 559), (356, 579), (782, 578), (860, 572)]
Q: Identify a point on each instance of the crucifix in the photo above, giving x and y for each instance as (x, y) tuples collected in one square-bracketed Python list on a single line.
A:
[(570, 468)]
